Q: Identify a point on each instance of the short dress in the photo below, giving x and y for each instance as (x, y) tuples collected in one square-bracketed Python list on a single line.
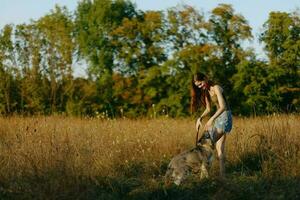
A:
[(224, 121)]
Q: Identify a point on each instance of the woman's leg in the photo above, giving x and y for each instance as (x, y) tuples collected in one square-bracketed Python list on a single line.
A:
[(220, 146)]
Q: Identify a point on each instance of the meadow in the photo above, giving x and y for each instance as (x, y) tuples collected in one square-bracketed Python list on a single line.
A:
[(88, 158)]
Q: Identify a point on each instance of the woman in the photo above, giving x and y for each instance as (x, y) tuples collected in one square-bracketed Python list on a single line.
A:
[(206, 93)]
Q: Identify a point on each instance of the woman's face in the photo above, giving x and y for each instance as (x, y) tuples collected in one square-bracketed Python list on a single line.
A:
[(200, 84)]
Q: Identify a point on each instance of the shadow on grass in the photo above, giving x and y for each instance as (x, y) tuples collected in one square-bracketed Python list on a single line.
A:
[(137, 183), (242, 187), (249, 164), (237, 188)]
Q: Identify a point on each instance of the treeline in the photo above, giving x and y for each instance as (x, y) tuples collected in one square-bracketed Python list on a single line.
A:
[(141, 62)]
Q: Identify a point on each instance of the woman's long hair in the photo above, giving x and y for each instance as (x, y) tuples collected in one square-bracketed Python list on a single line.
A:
[(198, 95)]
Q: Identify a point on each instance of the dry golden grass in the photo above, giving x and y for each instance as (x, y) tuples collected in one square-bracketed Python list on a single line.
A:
[(55, 156)]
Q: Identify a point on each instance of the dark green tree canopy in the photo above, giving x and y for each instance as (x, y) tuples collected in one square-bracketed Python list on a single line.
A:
[(140, 63)]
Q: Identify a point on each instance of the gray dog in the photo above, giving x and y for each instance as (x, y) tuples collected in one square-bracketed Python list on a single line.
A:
[(196, 160)]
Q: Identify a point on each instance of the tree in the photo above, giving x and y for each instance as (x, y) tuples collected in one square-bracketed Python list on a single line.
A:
[(188, 52), (281, 37), (56, 35), (139, 53), (251, 87), (33, 93), (227, 30), (84, 100), (94, 22), (8, 72)]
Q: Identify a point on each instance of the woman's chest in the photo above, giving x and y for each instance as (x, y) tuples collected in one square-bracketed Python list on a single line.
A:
[(213, 97)]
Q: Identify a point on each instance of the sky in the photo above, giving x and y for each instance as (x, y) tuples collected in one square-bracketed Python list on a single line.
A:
[(255, 11)]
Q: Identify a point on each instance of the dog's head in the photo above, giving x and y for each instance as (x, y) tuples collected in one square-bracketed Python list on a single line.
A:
[(205, 139)]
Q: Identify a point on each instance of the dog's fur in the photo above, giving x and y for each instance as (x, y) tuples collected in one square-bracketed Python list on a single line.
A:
[(196, 160)]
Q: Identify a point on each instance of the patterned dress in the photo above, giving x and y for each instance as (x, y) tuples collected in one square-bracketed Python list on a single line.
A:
[(224, 120)]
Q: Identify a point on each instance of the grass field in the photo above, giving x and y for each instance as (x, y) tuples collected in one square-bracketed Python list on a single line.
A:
[(73, 158)]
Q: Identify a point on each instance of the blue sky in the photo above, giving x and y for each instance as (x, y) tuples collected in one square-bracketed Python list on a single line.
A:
[(255, 11)]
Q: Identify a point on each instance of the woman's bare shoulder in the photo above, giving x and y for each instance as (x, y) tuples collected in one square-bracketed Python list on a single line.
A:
[(218, 88)]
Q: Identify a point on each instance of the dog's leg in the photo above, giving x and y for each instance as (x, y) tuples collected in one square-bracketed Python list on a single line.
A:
[(180, 174), (168, 176), (204, 172), (177, 181), (178, 177)]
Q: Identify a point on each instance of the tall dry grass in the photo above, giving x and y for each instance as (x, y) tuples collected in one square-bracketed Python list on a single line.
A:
[(61, 158)]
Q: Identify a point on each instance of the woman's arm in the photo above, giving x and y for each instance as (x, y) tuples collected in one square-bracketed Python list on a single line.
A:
[(221, 102)]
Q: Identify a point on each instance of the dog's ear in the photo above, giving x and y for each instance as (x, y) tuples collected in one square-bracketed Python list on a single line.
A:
[(204, 137)]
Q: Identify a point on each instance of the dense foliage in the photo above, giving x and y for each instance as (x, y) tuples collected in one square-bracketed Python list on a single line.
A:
[(140, 62)]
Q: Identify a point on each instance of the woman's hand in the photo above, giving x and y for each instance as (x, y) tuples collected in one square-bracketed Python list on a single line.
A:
[(198, 123)]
